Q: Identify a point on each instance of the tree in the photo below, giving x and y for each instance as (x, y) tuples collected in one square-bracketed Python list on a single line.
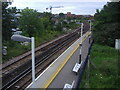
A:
[(30, 23), (6, 22), (62, 15), (109, 13), (107, 27), (46, 22)]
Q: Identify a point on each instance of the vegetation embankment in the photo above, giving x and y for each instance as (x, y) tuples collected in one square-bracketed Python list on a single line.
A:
[(43, 26), (16, 48), (104, 72)]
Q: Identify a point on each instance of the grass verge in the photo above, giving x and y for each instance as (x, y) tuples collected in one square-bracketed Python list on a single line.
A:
[(106, 74)]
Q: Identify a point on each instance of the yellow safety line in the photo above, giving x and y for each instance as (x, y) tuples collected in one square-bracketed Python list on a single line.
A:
[(61, 67), (55, 74)]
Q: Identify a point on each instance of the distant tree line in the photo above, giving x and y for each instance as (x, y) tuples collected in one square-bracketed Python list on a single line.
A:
[(31, 22), (107, 24)]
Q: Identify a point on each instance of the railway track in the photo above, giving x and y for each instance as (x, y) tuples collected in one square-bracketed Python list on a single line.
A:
[(43, 57), (17, 77), (10, 67), (25, 57)]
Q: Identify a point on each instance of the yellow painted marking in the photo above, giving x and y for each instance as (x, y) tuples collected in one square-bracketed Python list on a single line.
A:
[(55, 73)]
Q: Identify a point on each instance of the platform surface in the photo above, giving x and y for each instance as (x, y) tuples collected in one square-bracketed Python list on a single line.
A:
[(66, 75), (60, 71)]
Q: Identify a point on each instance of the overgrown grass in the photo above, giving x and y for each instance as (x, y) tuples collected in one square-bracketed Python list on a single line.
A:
[(47, 35), (106, 73), (14, 48)]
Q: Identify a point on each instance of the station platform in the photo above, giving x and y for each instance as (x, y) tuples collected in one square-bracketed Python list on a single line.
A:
[(60, 71)]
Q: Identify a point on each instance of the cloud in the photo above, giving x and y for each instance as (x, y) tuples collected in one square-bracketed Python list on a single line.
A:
[(114, 0), (73, 6), (62, 0)]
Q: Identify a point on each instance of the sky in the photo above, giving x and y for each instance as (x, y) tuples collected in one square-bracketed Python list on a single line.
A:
[(79, 7)]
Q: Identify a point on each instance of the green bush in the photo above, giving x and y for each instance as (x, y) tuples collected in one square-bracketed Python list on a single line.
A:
[(106, 34)]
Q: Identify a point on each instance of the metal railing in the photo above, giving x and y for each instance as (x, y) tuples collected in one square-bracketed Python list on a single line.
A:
[(83, 66)]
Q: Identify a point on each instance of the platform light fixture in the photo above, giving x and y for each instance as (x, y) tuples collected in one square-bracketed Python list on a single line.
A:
[(28, 39)]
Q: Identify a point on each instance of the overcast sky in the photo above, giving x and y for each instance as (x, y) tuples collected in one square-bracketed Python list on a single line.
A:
[(81, 7)]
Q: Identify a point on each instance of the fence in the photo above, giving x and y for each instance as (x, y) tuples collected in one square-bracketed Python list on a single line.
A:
[(83, 67)]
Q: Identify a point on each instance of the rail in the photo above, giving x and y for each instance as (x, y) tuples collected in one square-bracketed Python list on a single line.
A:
[(45, 56)]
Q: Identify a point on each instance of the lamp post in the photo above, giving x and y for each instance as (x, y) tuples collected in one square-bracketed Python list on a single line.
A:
[(27, 39), (90, 30), (81, 44), (90, 25)]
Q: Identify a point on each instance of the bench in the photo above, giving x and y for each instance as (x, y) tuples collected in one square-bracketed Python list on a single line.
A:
[(76, 68), (68, 86)]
